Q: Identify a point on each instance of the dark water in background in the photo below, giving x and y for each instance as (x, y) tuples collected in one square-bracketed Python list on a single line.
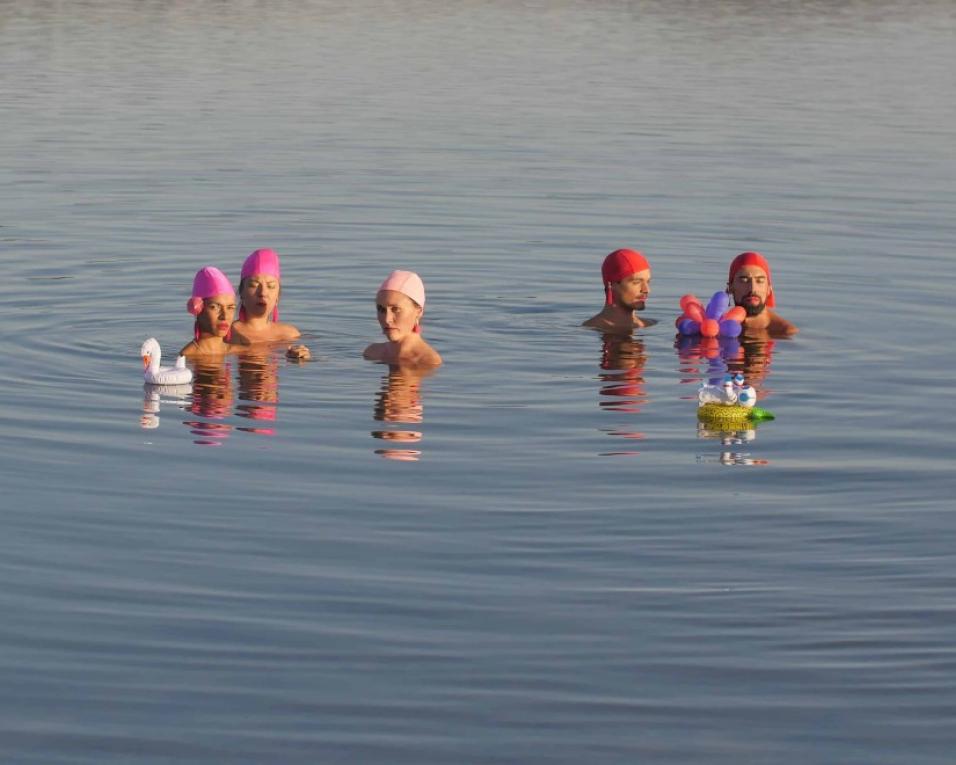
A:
[(557, 567)]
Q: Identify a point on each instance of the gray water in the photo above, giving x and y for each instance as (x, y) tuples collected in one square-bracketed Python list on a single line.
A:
[(533, 555)]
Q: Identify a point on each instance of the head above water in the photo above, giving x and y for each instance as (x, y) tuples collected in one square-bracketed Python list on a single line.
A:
[(408, 283), (750, 283), (619, 266), (213, 302), (209, 281), (395, 318), (263, 263)]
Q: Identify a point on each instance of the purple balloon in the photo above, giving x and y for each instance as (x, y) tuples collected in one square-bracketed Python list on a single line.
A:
[(688, 327), (719, 303), (730, 328)]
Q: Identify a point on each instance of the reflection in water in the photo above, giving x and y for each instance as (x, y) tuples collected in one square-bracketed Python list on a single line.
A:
[(212, 399), (729, 438), (259, 384), (399, 401), (155, 395), (622, 383), (709, 359)]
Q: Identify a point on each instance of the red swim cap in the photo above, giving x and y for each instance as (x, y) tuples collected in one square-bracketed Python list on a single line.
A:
[(752, 259), (619, 265)]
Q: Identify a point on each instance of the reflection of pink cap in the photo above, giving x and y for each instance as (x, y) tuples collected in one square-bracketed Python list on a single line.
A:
[(265, 262), (209, 281), (408, 283)]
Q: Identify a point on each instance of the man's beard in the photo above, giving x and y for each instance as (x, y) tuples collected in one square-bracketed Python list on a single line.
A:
[(637, 305), (752, 309)]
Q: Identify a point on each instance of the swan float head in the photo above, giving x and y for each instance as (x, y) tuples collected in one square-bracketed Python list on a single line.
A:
[(154, 374)]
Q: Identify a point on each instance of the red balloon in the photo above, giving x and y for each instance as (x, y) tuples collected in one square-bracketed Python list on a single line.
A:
[(709, 328), (695, 311), (737, 313), (687, 299)]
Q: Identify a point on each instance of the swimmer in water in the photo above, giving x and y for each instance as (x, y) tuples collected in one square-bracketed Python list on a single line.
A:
[(400, 303), (627, 283), (750, 286), (213, 303), (259, 292)]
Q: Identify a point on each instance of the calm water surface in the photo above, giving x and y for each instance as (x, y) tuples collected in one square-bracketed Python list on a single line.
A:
[(534, 554)]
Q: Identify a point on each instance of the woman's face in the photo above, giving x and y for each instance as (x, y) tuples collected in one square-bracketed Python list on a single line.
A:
[(217, 314), (259, 294), (397, 314)]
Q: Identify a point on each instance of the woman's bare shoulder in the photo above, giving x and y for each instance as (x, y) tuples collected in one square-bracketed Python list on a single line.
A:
[(375, 352)]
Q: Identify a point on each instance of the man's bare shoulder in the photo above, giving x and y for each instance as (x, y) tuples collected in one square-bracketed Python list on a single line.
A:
[(780, 326)]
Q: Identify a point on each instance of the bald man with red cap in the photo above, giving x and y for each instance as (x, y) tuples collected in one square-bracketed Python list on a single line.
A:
[(627, 283), (750, 285)]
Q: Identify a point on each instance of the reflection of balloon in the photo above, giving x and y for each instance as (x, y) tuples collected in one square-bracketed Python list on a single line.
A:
[(718, 319)]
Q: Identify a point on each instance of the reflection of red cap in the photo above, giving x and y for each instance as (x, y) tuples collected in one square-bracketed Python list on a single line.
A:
[(619, 265), (752, 259)]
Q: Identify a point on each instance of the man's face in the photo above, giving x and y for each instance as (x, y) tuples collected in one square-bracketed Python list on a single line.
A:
[(632, 291), (750, 289)]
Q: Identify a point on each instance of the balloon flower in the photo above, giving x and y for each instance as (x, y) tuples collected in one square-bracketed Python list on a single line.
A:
[(718, 318)]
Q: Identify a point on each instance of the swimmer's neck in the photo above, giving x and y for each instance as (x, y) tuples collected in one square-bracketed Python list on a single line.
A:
[(256, 322), (619, 315), (410, 340)]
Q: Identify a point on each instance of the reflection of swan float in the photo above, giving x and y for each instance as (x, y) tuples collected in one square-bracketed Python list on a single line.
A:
[(154, 395), (154, 374), (731, 406)]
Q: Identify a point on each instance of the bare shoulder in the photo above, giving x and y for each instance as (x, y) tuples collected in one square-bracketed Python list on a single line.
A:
[(188, 350), (429, 357), (287, 332), (780, 326), (237, 338), (375, 352)]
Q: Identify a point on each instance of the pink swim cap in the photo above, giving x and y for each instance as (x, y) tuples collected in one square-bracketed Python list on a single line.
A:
[(208, 281), (264, 262), (408, 283)]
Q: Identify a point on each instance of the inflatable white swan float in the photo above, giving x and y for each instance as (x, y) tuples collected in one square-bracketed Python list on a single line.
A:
[(154, 374)]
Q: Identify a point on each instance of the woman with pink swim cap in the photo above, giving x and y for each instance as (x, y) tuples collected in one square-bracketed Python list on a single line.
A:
[(400, 303), (259, 292), (213, 303)]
